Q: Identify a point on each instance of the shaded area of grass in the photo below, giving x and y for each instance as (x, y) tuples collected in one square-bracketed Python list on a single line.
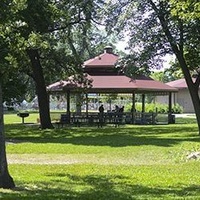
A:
[(166, 135), (91, 182), (186, 120)]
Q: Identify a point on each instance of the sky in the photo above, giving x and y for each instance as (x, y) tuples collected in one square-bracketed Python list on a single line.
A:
[(121, 45)]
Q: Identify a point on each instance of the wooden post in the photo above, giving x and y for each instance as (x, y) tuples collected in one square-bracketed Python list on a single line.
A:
[(143, 109), (170, 116), (143, 103), (68, 105), (86, 97), (133, 108)]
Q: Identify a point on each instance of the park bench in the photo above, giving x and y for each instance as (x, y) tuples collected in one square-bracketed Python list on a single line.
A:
[(85, 119), (63, 120)]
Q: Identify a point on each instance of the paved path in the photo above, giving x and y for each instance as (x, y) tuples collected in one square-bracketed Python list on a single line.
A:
[(67, 159)]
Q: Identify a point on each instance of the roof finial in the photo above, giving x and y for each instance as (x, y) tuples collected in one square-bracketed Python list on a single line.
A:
[(108, 49)]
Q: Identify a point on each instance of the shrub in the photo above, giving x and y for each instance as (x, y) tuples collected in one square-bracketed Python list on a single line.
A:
[(177, 108), (155, 107)]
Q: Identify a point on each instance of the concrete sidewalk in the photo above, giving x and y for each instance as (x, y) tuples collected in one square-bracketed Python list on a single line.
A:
[(191, 115)]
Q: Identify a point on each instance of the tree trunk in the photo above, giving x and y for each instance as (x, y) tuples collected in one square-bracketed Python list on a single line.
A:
[(193, 88), (43, 99), (178, 51), (6, 181), (196, 103)]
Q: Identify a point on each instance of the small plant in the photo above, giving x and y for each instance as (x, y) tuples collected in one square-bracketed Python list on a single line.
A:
[(177, 108)]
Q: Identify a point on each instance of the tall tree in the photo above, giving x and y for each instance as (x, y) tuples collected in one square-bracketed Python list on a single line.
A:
[(35, 27), (155, 31), (31, 30), (6, 181)]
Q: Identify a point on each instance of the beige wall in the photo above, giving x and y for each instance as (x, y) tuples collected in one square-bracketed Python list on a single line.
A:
[(182, 97)]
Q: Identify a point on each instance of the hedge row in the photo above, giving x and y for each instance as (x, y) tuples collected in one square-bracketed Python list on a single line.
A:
[(159, 108)]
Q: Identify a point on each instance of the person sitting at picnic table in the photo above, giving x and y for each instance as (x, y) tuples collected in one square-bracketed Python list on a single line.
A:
[(121, 110), (116, 108)]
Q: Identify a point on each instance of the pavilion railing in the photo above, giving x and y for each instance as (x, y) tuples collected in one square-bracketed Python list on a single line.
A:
[(123, 118), (92, 118)]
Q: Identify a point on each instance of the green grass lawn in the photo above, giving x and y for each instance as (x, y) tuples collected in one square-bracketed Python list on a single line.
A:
[(128, 162)]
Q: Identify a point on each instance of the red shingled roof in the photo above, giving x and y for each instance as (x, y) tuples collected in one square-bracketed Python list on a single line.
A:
[(179, 84), (124, 82), (111, 83), (103, 60), (121, 84)]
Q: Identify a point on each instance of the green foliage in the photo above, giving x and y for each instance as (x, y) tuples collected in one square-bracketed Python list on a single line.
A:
[(154, 31), (109, 97), (47, 41), (146, 44), (129, 65), (186, 9), (170, 74), (159, 76), (177, 108), (12, 80), (63, 33), (155, 107), (174, 72)]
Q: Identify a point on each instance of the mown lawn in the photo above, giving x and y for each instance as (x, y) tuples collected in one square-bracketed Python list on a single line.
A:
[(129, 162)]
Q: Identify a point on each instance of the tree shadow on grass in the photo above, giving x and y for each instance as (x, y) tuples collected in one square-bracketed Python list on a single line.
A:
[(127, 140), (97, 187), (108, 136)]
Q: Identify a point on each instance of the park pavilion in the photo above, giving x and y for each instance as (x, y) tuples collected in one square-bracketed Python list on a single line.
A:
[(104, 78)]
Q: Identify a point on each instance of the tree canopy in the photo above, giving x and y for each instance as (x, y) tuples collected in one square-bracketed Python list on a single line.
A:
[(155, 29), (47, 40), (41, 38), (186, 9)]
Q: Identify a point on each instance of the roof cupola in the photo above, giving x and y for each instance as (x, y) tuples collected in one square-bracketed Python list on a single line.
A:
[(108, 49)]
